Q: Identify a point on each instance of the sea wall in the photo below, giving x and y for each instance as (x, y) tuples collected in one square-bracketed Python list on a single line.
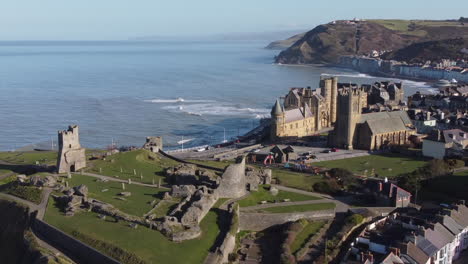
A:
[(398, 70), (260, 221), (74, 248)]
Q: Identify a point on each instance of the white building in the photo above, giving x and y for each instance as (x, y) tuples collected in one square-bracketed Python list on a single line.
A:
[(447, 141)]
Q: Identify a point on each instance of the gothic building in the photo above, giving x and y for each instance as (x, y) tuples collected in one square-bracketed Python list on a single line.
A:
[(305, 112), (370, 131), (349, 109)]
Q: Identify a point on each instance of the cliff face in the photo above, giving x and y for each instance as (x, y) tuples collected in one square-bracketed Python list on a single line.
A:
[(17, 243), (285, 43), (326, 43)]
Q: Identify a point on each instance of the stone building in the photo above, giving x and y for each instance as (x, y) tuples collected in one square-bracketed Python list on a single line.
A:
[(370, 131), (71, 156), (306, 112), (153, 144)]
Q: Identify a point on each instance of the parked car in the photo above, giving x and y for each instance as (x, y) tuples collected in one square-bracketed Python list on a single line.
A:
[(334, 150), (326, 151)]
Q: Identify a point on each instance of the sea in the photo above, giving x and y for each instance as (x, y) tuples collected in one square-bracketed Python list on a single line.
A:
[(198, 92)]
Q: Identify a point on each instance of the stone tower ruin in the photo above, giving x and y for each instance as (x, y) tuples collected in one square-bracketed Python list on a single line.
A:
[(71, 156)]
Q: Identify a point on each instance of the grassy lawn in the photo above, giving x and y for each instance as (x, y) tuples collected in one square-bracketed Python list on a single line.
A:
[(299, 208), (137, 204), (388, 165), (446, 189), (263, 194), (148, 164), (30, 157), (150, 245), (309, 230), (296, 180)]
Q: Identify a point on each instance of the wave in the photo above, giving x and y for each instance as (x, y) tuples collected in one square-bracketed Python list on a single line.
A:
[(177, 100), (221, 109), (357, 75)]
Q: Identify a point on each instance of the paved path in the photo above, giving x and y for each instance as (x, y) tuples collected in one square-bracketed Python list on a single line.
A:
[(103, 177)]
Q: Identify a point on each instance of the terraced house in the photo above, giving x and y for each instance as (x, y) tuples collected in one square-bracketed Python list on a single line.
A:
[(412, 236)]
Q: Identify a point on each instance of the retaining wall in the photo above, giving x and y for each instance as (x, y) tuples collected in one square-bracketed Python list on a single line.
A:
[(72, 247), (259, 221)]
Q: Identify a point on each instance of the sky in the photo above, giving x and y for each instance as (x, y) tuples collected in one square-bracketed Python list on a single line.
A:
[(124, 19)]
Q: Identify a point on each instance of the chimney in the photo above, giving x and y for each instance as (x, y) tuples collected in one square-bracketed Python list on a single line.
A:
[(428, 115), (439, 135), (380, 186), (395, 251)]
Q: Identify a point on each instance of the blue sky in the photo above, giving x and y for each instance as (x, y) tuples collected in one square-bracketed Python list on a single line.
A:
[(122, 19)]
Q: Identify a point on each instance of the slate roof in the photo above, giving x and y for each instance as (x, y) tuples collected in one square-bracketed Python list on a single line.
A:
[(392, 259), (382, 116), (293, 115), (385, 126)]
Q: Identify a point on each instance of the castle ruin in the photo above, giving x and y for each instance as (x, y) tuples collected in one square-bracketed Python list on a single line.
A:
[(153, 144), (71, 156)]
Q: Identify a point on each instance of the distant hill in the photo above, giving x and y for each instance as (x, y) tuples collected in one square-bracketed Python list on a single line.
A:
[(285, 43), (431, 50), (326, 43)]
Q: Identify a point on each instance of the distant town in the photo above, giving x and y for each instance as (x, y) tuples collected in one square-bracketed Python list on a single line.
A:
[(341, 173)]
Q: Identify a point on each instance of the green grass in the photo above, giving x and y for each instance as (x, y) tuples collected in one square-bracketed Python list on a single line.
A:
[(165, 207), (30, 157), (263, 194), (4, 171), (137, 204), (140, 160), (445, 189), (388, 165), (296, 180), (8, 179), (309, 230), (298, 208), (29, 193), (150, 245)]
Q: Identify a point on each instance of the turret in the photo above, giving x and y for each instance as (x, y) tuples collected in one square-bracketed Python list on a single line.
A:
[(277, 119)]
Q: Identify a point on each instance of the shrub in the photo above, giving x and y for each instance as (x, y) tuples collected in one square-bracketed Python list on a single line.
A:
[(329, 186), (355, 219), (28, 193), (455, 163)]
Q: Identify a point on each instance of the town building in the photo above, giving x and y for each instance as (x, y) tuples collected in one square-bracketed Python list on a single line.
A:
[(409, 235), (446, 143), (370, 131), (387, 193), (307, 112)]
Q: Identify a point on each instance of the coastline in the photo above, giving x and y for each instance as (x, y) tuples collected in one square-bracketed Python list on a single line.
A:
[(372, 74)]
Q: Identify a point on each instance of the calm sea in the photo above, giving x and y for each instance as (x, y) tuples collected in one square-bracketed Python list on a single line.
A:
[(125, 91)]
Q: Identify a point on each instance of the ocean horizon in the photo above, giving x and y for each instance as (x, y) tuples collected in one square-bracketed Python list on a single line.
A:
[(124, 91)]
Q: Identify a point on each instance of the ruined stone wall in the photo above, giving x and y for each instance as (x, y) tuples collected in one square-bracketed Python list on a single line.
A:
[(260, 221), (71, 156), (233, 182)]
